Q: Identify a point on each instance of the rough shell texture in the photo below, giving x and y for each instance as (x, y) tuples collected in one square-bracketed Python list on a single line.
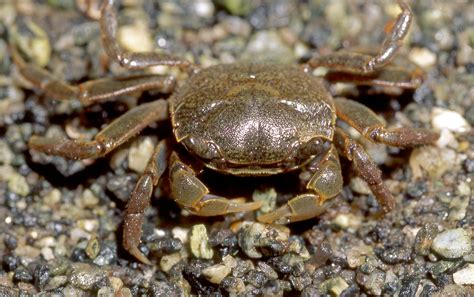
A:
[(254, 117)]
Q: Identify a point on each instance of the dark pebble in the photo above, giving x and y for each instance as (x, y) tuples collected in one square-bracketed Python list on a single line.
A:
[(79, 255), (409, 286), (416, 189), (469, 163), (10, 262), (271, 287), (470, 68), (225, 241), (22, 275), (122, 186), (107, 254), (256, 278), (428, 290), (390, 288), (279, 265), (171, 245), (443, 280), (10, 241), (393, 255), (351, 291), (193, 272), (41, 275)]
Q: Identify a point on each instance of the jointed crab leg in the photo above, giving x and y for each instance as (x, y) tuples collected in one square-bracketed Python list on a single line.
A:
[(130, 60), (116, 133), (370, 126), (325, 183), (188, 191), (366, 168), (91, 91), (140, 200), (365, 64)]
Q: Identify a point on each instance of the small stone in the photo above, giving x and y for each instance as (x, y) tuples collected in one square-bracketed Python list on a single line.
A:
[(347, 221), (93, 247), (105, 292), (453, 243), (447, 119), (359, 186), (267, 197), (135, 37), (56, 282), (334, 285), (47, 253), (22, 275), (168, 261), (116, 283), (6, 154), (52, 198), (464, 276), (233, 285), (86, 276), (256, 236), (89, 199), (216, 273), (139, 154), (17, 184), (423, 57), (424, 239), (199, 242)]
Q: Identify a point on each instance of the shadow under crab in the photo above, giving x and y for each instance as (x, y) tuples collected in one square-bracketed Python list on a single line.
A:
[(244, 119)]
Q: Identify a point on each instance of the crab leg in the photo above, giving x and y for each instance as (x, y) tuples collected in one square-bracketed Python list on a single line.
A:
[(370, 126), (130, 60), (140, 200), (91, 91), (365, 64), (188, 191), (115, 134), (325, 183), (366, 168)]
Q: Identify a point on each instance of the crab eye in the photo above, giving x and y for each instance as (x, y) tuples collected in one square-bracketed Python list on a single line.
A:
[(315, 146), (204, 149)]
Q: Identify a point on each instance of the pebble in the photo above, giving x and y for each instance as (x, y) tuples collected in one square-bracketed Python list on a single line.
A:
[(453, 243), (86, 277), (233, 285), (139, 154), (168, 261), (334, 286), (254, 237), (424, 238), (199, 242), (442, 118), (18, 184), (348, 222), (215, 273), (464, 276), (423, 57), (6, 154)]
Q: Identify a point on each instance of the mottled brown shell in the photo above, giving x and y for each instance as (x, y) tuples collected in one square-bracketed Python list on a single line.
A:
[(253, 119)]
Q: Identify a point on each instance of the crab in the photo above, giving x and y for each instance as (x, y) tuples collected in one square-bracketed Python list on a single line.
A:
[(243, 119)]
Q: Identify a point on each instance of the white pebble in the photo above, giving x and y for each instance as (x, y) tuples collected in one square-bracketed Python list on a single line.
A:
[(464, 276), (447, 119), (453, 243), (140, 153), (423, 57)]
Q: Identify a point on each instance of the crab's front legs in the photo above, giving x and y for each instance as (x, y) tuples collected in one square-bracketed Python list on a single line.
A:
[(326, 183), (140, 200), (188, 191)]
